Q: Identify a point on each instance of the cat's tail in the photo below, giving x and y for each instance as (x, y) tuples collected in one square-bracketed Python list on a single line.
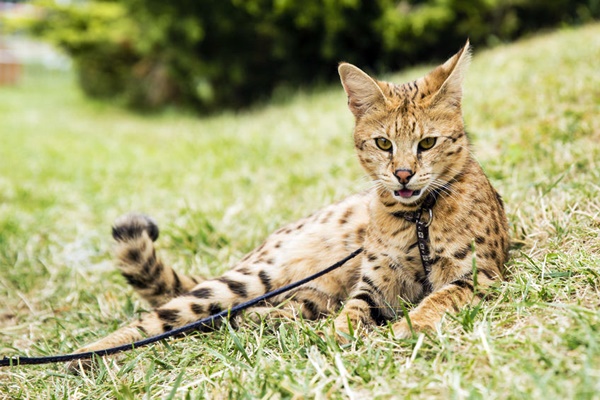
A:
[(136, 259)]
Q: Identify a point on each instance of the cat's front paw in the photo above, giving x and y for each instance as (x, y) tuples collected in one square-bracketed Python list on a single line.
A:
[(132, 225), (402, 330), (341, 334), (346, 330)]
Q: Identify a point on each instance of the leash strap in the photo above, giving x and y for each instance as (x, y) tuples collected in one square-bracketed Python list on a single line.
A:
[(422, 226), (423, 243), (205, 322)]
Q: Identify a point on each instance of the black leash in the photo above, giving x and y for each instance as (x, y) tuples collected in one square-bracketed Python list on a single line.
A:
[(415, 217), (422, 228), (19, 360)]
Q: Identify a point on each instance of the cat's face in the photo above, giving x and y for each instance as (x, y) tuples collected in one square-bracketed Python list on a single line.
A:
[(409, 138)]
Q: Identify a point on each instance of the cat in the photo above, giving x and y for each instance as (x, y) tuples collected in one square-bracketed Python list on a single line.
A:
[(411, 140)]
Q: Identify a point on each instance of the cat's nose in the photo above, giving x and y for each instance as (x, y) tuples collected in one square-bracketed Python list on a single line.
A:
[(403, 175)]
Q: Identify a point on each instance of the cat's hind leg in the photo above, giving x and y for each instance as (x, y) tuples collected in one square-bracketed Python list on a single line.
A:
[(154, 281)]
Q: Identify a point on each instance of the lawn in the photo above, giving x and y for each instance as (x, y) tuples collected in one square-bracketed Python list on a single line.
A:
[(218, 185)]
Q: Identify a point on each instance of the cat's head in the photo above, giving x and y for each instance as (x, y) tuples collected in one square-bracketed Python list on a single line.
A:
[(409, 138)]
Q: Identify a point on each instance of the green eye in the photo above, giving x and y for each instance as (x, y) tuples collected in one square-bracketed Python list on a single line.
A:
[(383, 143), (427, 143)]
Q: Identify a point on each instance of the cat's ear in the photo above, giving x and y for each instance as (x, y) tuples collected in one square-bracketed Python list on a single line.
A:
[(447, 79), (363, 91)]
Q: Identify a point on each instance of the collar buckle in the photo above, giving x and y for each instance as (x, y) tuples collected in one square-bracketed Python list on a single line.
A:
[(430, 219)]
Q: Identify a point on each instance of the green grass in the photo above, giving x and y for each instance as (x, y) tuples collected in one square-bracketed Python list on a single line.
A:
[(218, 185)]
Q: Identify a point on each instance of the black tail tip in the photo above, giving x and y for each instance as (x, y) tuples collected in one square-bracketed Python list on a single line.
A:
[(132, 225)]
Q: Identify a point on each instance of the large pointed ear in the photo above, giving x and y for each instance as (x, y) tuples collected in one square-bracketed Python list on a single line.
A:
[(363, 91), (446, 80)]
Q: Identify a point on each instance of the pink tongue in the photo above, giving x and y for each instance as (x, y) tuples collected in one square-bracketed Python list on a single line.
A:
[(405, 193)]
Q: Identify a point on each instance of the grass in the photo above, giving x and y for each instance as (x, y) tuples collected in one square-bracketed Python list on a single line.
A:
[(218, 185)]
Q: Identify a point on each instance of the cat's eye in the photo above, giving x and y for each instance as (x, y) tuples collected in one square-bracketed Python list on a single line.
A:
[(427, 143), (383, 143)]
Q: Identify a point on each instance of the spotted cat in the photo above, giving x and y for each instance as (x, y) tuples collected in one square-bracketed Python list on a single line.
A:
[(411, 141)]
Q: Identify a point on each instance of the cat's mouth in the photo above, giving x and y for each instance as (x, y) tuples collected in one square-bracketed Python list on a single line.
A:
[(407, 193)]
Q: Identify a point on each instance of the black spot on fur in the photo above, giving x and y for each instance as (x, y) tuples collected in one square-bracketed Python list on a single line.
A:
[(134, 281), (244, 270), (167, 327), (426, 285), (158, 266), (393, 266), (398, 231), (370, 283), (214, 308), (202, 293), (366, 297), (262, 254), (134, 255), (160, 288), (265, 280), (238, 288), (346, 216), (168, 315), (462, 253), (374, 310), (326, 217), (463, 284), (499, 199), (176, 283), (480, 240), (487, 274), (372, 257), (197, 309), (412, 246), (311, 307)]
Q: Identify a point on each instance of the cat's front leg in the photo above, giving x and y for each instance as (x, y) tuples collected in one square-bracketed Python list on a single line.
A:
[(451, 297), (369, 303)]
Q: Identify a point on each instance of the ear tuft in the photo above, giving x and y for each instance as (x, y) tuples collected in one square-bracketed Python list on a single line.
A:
[(363, 91)]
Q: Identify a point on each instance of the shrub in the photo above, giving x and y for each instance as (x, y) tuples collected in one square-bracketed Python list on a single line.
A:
[(216, 53)]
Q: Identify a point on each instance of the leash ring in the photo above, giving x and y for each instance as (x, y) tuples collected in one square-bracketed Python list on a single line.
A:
[(430, 218)]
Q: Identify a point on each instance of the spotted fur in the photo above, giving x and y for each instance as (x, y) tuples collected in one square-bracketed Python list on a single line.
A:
[(468, 227)]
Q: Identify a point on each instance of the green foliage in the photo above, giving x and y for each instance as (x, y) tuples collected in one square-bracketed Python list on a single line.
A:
[(98, 37), (216, 53)]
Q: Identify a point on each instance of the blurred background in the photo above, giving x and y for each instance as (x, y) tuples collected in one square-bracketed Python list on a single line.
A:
[(213, 54)]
